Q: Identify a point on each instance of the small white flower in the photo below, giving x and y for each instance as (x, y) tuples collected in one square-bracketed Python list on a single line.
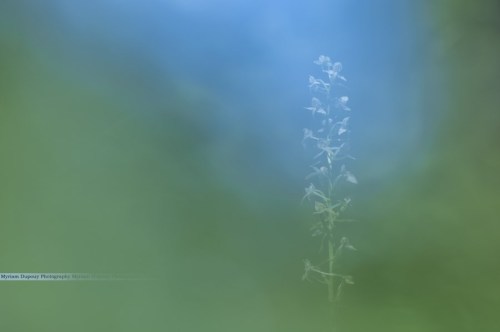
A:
[(343, 126), (308, 134), (311, 191), (337, 67), (316, 107), (313, 81), (323, 60), (350, 178), (342, 103), (322, 171)]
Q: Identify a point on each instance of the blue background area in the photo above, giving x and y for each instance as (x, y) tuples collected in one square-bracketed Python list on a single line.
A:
[(164, 137)]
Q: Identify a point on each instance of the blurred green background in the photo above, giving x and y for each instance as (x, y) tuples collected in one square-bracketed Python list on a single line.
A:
[(163, 138)]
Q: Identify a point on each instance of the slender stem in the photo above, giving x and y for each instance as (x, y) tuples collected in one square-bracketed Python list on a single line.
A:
[(331, 286)]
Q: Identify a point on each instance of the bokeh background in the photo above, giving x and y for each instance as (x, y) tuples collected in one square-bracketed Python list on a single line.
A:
[(163, 137)]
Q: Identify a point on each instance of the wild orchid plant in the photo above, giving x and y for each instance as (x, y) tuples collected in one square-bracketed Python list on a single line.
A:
[(330, 181)]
